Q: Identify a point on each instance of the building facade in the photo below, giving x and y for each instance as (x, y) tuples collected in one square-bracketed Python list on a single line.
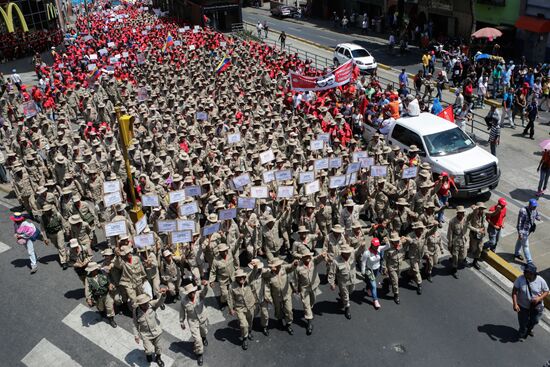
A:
[(221, 14)]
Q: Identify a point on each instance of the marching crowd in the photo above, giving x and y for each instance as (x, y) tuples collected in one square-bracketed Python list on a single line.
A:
[(244, 184)]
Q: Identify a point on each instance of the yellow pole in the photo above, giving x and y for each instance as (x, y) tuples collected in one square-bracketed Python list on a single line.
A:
[(135, 213)]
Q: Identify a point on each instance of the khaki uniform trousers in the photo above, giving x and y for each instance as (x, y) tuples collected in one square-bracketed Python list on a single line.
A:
[(152, 345), (458, 254), (308, 300), (414, 270), (476, 246), (393, 274), (431, 260), (107, 304), (345, 291), (264, 314), (245, 317), (198, 332), (58, 240)]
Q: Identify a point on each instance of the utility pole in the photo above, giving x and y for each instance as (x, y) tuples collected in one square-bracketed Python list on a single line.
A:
[(125, 126)]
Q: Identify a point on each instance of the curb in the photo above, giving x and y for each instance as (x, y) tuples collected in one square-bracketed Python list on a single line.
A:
[(507, 270)]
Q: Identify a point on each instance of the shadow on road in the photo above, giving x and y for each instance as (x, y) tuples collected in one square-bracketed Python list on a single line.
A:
[(501, 333), (75, 294)]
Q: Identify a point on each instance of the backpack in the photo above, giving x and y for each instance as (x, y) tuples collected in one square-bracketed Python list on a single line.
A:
[(36, 235)]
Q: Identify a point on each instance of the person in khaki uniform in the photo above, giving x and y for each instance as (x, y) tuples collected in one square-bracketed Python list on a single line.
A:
[(307, 282), (393, 257), (170, 274), (150, 264), (279, 293), (193, 310), (23, 188), (335, 241), (133, 272), (434, 247), (415, 244), (82, 232), (222, 270), (456, 238), (324, 215), (147, 326), (342, 273), (242, 302), (271, 239), (53, 225), (96, 290), (78, 258), (477, 226)]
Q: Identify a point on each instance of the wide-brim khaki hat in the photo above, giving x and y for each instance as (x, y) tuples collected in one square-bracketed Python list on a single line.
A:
[(142, 299), (275, 262), (346, 249), (125, 250), (92, 266), (223, 247), (74, 219), (394, 237), (338, 229), (189, 288), (255, 261), (240, 273), (460, 209), (418, 225)]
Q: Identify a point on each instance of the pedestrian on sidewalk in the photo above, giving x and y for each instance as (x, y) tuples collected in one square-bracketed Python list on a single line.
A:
[(495, 222), (25, 234), (507, 103), (527, 217), (494, 136), (519, 108), (403, 78), (544, 170), (259, 29), (282, 39), (365, 24), (532, 113), (528, 295), (425, 62), (266, 28), (481, 91)]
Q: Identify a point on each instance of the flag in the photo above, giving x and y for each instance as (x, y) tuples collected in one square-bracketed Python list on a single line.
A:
[(94, 74), (168, 43), (224, 64), (448, 114)]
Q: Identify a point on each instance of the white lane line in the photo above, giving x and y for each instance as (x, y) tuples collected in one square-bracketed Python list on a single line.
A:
[(4, 247), (46, 354), (117, 342)]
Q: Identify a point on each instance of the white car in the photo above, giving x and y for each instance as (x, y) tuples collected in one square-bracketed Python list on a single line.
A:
[(447, 148), (363, 59)]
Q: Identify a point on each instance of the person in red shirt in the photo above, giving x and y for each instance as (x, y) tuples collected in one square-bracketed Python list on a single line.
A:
[(443, 187), (495, 220)]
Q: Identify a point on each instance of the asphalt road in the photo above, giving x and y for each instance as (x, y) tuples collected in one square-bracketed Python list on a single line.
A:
[(463, 322)]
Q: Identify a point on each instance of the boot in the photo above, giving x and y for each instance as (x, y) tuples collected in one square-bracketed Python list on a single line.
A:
[(476, 264), (396, 298), (265, 331), (149, 358), (347, 313), (250, 336), (159, 361), (64, 266), (112, 322), (163, 306), (376, 304), (245, 344), (419, 289), (309, 328), (454, 273), (289, 329), (205, 341), (200, 360)]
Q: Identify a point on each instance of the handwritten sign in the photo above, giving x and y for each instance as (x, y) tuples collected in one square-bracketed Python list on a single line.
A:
[(324, 137), (140, 59), (193, 191), (259, 192), (227, 214), (141, 224), (267, 156), (117, 228), (351, 179), (201, 116), (92, 67), (378, 171), (176, 196), (125, 54), (223, 44), (181, 236), (166, 226), (283, 175), (186, 225), (93, 57), (320, 164), (268, 176), (316, 145), (144, 240), (337, 181), (150, 200), (233, 138), (366, 162), (285, 192), (211, 229), (29, 109), (353, 167), (242, 180), (410, 172), (189, 209), (246, 203), (306, 177), (312, 187), (111, 199), (356, 156), (142, 94), (192, 47), (335, 162)]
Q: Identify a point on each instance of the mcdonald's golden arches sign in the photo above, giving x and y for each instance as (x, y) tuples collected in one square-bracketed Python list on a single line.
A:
[(7, 15)]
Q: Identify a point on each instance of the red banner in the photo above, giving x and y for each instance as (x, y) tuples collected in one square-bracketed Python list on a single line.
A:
[(448, 114), (339, 76)]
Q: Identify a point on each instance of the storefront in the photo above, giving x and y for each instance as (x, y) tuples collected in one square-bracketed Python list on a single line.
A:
[(221, 14)]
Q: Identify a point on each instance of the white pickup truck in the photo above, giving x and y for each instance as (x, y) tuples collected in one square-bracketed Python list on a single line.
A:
[(447, 148)]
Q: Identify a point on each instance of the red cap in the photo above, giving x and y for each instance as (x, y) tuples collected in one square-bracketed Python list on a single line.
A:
[(375, 242), (444, 174), (502, 201)]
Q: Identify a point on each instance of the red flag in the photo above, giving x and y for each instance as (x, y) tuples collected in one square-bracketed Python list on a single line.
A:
[(448, 114)]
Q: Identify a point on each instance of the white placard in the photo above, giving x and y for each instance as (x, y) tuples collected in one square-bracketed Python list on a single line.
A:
[(242, 180), (356, 156), (306, 177), (113, 60), (223, 44), (181, 236), (366, 162), (93, 57), (233, 138), (211, 229), (117, 228), (186, 225), (259, 192), (166, 226), (193, 191), (378, 171), (125, 54), (189, 208), (92, 67), (177, 43), (111, 199), (316, 145), (337, 181), (186, 28), (321, 164), (144, 240), (353, 167), (191, 47), (141, 224), (144, 33), (351, 179), (181, 30), (410, 172), (103, 51), (227, 214), (111, 44), (324, 137), (267, 156), (335, 162), (312, 187), (283, 175), (111, 186), (150, 200), (246, 203), (61, 65), (268, 176), (176, 196), (285, 192)]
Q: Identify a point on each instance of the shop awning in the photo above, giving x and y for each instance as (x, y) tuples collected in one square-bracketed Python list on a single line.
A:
[(533, 24)]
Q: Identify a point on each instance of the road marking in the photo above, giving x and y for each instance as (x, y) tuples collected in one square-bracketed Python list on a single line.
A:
[(7, 203), (117, 342), (4, 247), (517, 203), (46, 354)]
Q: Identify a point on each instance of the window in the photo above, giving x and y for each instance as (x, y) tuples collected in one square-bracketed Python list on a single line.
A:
[(448, 142), (407, 137), (360, 52), (347, 54)]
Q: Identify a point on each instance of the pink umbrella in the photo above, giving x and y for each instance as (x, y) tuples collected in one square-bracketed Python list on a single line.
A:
[(487, 32), (545, 144)]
